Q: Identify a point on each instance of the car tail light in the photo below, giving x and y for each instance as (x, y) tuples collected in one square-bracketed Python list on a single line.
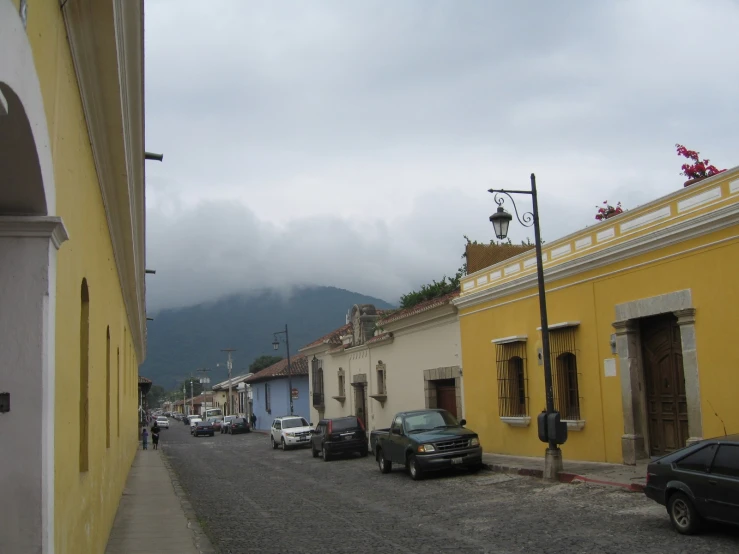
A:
[(361, 423), (330, 427)]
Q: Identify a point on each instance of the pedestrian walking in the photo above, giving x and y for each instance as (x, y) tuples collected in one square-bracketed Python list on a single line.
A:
[(145, 438), (155, 436), (253, 420)]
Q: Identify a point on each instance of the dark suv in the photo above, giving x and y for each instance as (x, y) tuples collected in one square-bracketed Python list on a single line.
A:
[(338, 436), (698, 482)]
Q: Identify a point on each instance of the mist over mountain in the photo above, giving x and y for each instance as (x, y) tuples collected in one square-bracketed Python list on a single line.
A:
[(182, 340)]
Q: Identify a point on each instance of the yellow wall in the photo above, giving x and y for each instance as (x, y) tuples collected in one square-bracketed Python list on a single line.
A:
[(590, 298), (85, 503)]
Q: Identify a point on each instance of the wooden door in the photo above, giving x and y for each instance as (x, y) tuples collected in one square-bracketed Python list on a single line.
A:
[(667, 408), (446, 396), (360, 403)]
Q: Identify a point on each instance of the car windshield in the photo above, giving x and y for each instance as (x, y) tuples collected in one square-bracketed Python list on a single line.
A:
[(344, 423), (161, 419), (204, 424), (294, 422), (229, 418), (426, 421)]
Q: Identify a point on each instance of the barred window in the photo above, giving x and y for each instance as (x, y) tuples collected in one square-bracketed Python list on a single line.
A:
[(267, 399), (565, 377), (342, 385), (381, 381), (512, 381), (317, 370)]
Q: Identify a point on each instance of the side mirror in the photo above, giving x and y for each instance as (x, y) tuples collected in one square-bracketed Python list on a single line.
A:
[(463, 422), (396, 431)]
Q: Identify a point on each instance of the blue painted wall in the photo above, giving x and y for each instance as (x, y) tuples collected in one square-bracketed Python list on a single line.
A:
[(280, 401)]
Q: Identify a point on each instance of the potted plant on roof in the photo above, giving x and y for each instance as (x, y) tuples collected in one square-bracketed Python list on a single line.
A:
[(606, 211), (699, 169)]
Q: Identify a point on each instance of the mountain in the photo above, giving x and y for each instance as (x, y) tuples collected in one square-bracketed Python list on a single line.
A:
[(184, 339)]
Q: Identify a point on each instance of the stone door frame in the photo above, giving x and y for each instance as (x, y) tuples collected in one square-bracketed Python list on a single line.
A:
[(441, 374), (634, 441)]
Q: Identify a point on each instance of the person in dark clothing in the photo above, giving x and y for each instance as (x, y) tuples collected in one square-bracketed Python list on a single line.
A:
[(155, 435), (253, 420)]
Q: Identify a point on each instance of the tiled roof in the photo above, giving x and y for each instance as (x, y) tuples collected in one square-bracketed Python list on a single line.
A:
[(144, 381), (298, 366), (419, 308), (331, 338), (380, 338)]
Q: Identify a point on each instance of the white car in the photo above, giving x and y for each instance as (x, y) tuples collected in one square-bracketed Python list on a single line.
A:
[(226, 422), (290, 431), (162, 422), (193, 422)]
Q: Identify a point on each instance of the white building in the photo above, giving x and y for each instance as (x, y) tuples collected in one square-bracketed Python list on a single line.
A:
[(381, 363)]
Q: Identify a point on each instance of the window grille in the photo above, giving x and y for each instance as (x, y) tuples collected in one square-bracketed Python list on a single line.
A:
[(342, 383), (513, 399), (317, 370), (267, 399), (381, 379), (565, 377)]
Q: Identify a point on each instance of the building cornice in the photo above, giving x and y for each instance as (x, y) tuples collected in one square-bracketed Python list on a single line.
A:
[(700, 199), (49, 227), (106, 41), (685, 230), (444, 311)]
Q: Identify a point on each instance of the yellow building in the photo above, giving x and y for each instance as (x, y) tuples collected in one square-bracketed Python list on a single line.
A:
[(642, 316), (72, 290)]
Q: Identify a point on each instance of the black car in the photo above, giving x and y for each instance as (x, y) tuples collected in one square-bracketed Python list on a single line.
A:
[(238, 425), (696, 483), (204, 428), (339, 436)]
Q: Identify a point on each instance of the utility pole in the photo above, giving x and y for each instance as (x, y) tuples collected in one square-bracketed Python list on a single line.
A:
[(205, 380), (184, 398), (229, 364), (192, 399)]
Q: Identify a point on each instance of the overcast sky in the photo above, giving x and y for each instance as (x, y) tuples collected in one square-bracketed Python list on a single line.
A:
[(352, 143)]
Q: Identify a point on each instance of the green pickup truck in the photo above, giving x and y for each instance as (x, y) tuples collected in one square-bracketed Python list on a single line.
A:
[(426, 440)]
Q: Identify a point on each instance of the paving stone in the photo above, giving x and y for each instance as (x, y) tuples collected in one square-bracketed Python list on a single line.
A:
[(250, 498)]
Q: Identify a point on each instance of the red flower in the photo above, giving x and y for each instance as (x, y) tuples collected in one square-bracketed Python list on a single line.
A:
[(699, 168)]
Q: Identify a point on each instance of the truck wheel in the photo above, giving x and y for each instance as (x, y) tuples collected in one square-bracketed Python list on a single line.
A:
[(326, 455), (284, 446), (414, 469), (274, 444), (385, 466)]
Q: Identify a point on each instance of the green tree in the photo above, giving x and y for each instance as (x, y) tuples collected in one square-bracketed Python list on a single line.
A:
[(263, 362), (155, 396)]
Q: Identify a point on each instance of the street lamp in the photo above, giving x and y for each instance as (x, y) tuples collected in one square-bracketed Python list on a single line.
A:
[(276, 346), (551, 429)]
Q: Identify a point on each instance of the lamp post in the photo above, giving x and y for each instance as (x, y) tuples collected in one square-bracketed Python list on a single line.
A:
[(550, 428), (229, 365), (276, 346)]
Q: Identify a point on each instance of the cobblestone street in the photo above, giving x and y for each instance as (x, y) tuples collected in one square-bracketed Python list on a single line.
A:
[(250, 498)]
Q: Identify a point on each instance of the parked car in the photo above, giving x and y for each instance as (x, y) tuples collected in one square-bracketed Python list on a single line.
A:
[(204, 428), (424, 441), (238, 425), (339, 436), (194, 420), (162, 422), (226, 422), (216, 421), (696, 483), (290, 431)]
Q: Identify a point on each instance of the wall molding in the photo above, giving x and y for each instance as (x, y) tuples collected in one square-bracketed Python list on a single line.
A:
[(702, 225), (106, 42)]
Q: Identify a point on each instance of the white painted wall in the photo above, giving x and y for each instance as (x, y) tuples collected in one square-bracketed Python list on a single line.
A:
[(416, 346)]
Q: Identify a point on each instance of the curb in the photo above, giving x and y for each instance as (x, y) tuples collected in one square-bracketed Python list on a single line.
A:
[(564, 477), (202, 543)]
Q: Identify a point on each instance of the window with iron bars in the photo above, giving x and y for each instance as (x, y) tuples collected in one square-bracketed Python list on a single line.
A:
[(342, 385), (512, 380), (565, 377), (317, 371), (267, 399)]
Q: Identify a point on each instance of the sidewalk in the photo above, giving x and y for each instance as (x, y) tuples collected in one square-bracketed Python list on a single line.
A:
[(631, 478), (154, 516)]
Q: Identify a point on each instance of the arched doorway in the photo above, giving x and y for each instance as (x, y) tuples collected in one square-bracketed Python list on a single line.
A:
[(30, 235)]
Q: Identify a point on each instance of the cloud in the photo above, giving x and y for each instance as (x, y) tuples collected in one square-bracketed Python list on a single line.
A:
[(352, 143)]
